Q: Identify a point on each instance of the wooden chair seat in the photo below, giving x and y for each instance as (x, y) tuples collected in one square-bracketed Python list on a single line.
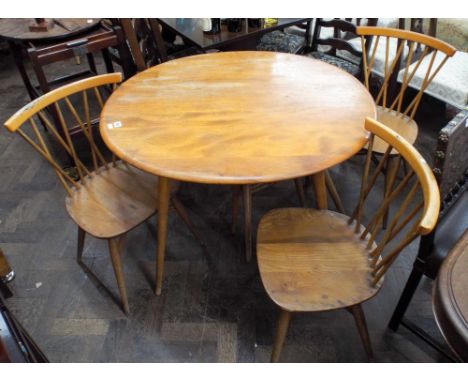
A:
[(319, 260), (398, 122), (114, 202), (311, 260)]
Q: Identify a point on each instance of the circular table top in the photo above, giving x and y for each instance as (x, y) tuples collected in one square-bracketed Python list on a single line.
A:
[(450, 298), (237, 118), (18, 29)]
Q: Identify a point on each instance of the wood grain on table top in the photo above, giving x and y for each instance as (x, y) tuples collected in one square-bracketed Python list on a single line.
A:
[(237, 117)]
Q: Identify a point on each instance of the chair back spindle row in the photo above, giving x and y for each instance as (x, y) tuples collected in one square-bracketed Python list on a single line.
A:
[(46, 141), (419, 47), (413, 216)]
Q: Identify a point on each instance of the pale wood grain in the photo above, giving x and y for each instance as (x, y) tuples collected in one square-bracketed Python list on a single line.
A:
[(314, 260), (238, 118)]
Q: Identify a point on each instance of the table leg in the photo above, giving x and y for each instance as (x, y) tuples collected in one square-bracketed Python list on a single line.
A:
[(320, 189), (17, 53), (163, 211), (247, 199)]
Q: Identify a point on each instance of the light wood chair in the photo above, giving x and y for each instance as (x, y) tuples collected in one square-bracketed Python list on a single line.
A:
[(319, 260), (106, 199), (396, 109), (246, 192)]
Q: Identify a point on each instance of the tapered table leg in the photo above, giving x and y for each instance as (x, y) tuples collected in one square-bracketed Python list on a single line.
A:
[(163, 211), (320, 190), (247, 198)]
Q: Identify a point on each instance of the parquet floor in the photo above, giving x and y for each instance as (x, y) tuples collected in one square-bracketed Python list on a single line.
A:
[(217, 313)]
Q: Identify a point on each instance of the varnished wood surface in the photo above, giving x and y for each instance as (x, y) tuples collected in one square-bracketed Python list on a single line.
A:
[(191, 29), (450, 298), (18, 29), (419, 165), (407, 35), (319, 260), (311, 260), (237, 118), (401, 124), (113, 201), (199, 317)]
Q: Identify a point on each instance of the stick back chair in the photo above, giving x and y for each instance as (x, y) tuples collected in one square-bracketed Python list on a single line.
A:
[(328, 47), (108, 197), (396, 109), (320, 260)]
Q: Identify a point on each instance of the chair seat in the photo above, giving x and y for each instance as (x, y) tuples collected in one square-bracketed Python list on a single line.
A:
[(113, 201), (346, 65), (278, 41), (311, 260), (404, 126)]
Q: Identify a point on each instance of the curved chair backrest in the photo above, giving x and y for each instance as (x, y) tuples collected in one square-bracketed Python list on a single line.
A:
[(422, 49), (145, 41), (54, 102), (422, 214)]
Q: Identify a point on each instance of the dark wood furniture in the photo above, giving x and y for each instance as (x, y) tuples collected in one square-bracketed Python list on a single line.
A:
[(236, 118), (246, 39), (319, 260), (147, 45), (69, 38), (100, 40), (18, 29), (342, 31), (451, 171), (16, 345), (450, 300)]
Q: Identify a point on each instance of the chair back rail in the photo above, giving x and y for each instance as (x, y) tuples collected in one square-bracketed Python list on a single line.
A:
[(59, 99), (432, 47), (343, 30), (413, 217), (145, 41)]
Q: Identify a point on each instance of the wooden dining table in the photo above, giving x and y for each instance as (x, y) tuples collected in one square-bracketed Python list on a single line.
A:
[(236, 118)]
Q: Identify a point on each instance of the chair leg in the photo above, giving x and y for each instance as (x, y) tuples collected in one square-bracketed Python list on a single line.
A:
[(281, 331), (180, 209), (117, 265), (247, 198), (405, 299), (81, 240), (300, 191), (360, 319), (235, 208), (333, 193)]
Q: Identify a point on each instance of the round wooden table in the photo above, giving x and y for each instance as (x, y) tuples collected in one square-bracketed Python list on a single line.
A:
[(450, 301), (18, 29), (236, 118), (20, 39)]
